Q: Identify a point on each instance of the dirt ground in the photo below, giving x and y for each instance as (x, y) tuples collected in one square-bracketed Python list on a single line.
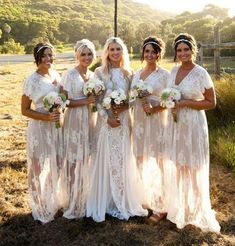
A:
[(17, 226)]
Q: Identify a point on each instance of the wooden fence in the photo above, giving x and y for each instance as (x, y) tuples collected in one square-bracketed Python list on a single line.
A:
[(216, 46)]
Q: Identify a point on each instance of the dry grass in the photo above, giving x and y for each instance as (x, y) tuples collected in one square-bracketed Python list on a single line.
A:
[(18, 228)]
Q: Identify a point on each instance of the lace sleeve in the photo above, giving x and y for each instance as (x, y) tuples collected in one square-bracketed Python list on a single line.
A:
[(208, 83), (101, 110), (27, 88), (66, 83)]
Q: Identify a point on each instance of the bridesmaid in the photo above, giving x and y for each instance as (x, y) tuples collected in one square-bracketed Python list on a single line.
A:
[(148, 130), (187, 138), (78, 124), (44, 140), (115, 187)]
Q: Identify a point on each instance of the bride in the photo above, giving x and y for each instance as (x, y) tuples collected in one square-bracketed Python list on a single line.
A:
[(115, 185)]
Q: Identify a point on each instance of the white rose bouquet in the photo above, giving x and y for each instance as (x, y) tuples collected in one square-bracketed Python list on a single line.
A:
[(115, 99), (94, 87), (169, 97), (140, 90), (55, 101)]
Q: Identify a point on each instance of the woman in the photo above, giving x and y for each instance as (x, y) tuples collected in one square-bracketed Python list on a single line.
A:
[(78, 124), (115, 187), (187, 138), (149, 120), (44, 140)]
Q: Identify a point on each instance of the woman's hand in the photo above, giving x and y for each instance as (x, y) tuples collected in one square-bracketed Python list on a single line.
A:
[(146, 107), (91, 99), (54, 116), (116, 110), (113, 122)]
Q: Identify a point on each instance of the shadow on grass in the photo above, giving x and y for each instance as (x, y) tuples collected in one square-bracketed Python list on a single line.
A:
[(23, 230), (228, 226), (15, 165)]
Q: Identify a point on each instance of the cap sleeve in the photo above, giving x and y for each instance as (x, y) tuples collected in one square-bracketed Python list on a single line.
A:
[(66, 83), (27, 87), (208, 83)]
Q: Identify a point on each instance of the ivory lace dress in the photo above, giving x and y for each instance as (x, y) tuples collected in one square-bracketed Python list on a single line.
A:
[(78, 125), (115, 184), (188, 149), (44, 151), (148, 141)]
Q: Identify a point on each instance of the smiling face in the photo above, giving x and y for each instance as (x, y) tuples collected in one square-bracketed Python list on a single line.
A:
[(46, 59), (150, 55), (184, 53), (85, 58), (115, 53)]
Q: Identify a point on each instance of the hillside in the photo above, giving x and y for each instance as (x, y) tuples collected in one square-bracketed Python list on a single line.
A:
[(66, 20)]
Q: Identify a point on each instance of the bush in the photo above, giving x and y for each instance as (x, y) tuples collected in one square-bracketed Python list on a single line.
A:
[(224, 113), (95, 65), (11, 47), (59, 48), (222, 145)]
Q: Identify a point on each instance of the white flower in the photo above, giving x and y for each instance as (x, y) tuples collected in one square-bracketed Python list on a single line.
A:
[(169, 97), (114, 94), (169, 104), (51, 96), (149, 89), (93, 86), (117, 101)]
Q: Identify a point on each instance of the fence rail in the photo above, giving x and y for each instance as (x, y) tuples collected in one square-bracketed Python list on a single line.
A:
[(217, 46)]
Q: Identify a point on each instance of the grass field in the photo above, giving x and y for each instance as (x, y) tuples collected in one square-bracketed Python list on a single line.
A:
[(17, 226)]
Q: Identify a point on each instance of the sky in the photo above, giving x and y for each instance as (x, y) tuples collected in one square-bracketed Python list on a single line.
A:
[(179, 6)]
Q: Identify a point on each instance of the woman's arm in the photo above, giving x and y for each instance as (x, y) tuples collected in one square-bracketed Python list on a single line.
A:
[(27, 111), (81, 102), (209, 101)]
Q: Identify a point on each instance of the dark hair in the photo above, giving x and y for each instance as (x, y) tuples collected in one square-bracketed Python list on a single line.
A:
[(188, 40), (39, 50), (157, 44)]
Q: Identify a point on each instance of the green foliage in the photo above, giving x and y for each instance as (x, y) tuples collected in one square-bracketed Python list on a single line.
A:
[(11, 47), (95, 65), (222, 145), (222, 123), (71, 20), (225, 91)]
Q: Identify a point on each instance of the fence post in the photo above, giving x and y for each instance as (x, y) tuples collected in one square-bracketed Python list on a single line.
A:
[(217, 51), (199, 59)]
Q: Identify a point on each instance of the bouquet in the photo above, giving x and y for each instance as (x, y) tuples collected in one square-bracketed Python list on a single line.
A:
[(169, 97), (140, 90), (93, 87), (115, 99), (55, 101)]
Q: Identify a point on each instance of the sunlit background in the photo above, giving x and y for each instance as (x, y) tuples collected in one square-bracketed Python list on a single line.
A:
[(179, 6)]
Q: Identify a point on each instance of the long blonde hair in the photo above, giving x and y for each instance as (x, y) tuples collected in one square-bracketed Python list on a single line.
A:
[(125, 61)]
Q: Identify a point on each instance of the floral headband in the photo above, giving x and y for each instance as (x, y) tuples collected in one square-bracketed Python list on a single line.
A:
[(44, 46), (151, 42)]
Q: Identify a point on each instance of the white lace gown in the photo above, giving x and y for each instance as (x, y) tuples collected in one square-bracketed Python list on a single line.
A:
[(78, 125), (115, 184), (148, 141), (188, 150), (44, 151)]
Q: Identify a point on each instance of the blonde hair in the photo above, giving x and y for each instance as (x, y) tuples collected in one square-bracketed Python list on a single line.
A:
[(81, 45), (125, 61)]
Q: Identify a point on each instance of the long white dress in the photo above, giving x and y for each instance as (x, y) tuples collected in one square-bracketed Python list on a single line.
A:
[(78, 124), (148, 141), (188, 150), (115, 184), (44, 151)]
